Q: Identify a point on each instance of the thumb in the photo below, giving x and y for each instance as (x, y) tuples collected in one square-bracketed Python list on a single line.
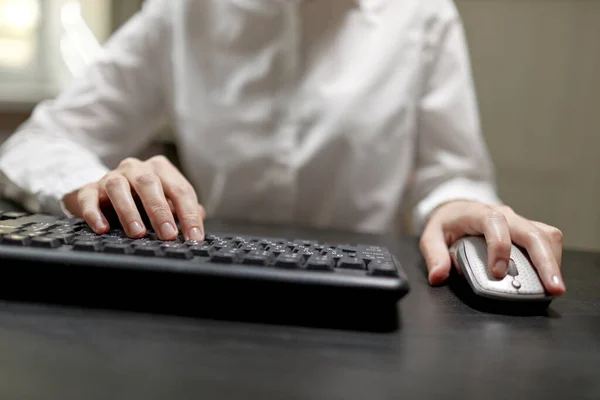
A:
[(437, 257)]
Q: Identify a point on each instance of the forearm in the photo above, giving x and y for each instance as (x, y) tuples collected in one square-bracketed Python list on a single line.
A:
[(104, 115), (37, 170), (452, 162)]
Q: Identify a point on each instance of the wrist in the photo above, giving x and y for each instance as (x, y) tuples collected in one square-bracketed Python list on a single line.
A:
[(450, 204)]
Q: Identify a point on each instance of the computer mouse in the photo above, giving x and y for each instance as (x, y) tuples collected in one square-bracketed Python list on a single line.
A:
[(521, 283)]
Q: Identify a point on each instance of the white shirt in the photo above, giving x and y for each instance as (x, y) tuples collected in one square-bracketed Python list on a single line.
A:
[(330, 113)]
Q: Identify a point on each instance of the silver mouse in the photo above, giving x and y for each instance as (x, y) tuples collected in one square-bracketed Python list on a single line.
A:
[(521, 283)]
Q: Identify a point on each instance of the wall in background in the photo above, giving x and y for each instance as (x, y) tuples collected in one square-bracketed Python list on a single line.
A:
[(537, 70), (122, 10), (98, 15)]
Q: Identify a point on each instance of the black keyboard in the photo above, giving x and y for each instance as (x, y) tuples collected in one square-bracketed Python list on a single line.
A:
[(50, 254)]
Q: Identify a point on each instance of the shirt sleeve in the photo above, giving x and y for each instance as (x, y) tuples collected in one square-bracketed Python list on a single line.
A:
[(452, 160), (104, 115)]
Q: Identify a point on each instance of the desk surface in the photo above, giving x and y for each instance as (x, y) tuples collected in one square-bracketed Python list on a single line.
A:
[(442, 349)]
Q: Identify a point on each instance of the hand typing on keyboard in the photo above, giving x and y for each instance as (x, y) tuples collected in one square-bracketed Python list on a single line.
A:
[(156, 185)]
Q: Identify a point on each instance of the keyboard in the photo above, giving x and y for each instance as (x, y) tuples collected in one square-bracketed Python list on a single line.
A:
[(52, 254)]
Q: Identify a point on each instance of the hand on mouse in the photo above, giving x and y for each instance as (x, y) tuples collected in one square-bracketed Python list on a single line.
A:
[(500, 226), (161, 189)]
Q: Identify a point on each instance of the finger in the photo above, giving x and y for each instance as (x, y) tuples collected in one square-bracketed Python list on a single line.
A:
[(453, 250), (478, 219), (435, 251), (494, 226), (89, 206), (118, 190), (181, 193), (149, 189), (533, 239), (171, 206), (555, 237)]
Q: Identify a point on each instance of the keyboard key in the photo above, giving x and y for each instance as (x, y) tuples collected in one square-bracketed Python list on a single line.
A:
[(347, 248), (87, 245), (210, 238), (62, 229), (16, 239), (224, 256), (218, 244), (64, 238), (14, 214), (41, 227), (117, 248), (190, 243), (307, 252), (25, 221), (277, 250), (348, 262), (288, 260), (31, 234), (272, 242), (202, 250), (335, 255), (47, 242), (147, 251), (257, 257), (374, 249), (71, 222), (375, 256), (116, 240), (87, 236), (151, 236), (382, 268), (116, 232), (319, 263), (238, 240), (7, 230), (304, 242), (173, 245), (180, 252), (248, 247)]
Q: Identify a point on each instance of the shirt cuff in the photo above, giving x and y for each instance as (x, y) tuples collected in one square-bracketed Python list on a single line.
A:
[(456, 189), (46, 195), (54, 202)]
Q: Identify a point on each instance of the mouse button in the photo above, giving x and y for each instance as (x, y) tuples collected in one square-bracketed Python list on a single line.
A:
[(476, 258), (516, 284), (512, 268), (528, 276), (477, 267)]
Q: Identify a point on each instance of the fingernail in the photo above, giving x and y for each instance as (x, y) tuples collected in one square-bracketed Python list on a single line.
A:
[(437, 275), (501, 267), (167, 230), (195, 234), (135, 228), (556, 280), (99, 225)]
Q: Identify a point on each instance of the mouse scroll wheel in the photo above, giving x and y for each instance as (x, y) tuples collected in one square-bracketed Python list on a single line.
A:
[(512, 268)]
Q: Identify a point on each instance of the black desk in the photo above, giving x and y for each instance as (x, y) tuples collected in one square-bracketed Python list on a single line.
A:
[(442, 349)]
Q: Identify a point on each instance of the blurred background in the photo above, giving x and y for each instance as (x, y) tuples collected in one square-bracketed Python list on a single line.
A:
[(536, 65)]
